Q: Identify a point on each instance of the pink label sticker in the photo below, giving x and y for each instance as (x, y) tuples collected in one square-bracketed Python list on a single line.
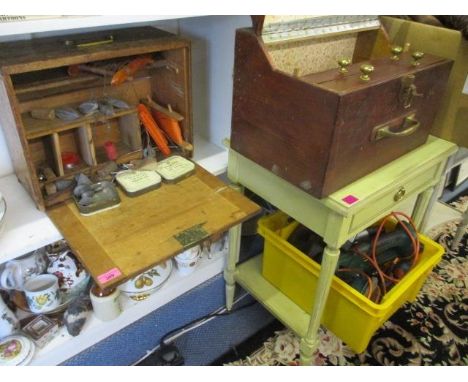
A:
[(350, 199), (109, 275)]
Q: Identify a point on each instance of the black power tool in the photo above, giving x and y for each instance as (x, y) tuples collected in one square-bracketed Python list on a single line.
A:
[(394, 252)]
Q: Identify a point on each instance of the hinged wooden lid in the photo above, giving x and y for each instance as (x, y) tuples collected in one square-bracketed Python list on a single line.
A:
[(285, 28)]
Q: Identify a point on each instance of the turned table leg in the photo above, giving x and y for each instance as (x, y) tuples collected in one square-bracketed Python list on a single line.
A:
[(233, 258), (421, 210), (310, 342), (229, 270)]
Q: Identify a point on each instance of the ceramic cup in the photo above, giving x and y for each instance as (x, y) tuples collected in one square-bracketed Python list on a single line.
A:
[(42, 293), (188, 260)]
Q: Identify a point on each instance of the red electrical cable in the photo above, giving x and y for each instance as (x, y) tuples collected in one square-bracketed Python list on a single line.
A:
[(414, 242), (376, 267)]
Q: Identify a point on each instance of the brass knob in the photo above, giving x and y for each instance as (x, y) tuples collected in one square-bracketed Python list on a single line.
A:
[(399, 194), (396, 52), (366, 69), (344, 63), (416, 57)]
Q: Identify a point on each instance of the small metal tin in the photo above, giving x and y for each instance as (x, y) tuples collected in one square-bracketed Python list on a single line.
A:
[(96, 198), (175, 168), (136, 182)]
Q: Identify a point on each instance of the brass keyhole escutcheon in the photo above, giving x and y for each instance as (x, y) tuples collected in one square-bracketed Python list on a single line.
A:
[(399, 194)]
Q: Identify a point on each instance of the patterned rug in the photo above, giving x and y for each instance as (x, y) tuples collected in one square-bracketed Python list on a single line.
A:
[(432, 330)]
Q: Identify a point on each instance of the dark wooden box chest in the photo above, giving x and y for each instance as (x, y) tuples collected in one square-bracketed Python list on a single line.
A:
[(320, 127)]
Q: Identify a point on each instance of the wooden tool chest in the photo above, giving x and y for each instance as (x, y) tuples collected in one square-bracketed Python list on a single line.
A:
[(36, 75), (142, 231), (323, 101)]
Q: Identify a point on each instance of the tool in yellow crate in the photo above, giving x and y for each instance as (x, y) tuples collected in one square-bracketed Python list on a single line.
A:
[(375, 260)]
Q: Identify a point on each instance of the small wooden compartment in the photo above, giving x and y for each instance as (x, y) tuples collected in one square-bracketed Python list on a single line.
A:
[(42, 76), (323, 101)]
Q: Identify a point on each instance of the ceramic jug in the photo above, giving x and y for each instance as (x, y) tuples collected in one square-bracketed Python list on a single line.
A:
[(69, 271), (8, 321), (16, 272)]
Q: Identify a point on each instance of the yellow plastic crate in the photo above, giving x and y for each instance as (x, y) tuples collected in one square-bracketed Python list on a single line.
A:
[(349, 314)]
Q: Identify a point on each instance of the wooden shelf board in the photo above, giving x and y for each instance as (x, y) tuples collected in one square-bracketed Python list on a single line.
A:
[(249, 276), (65, 346), (81, 167), (61, 84), (36, 128), (26, 228)]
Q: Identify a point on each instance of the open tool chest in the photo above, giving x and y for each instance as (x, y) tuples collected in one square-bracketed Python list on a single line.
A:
[(323, 101), (44, 74), (67, 72)]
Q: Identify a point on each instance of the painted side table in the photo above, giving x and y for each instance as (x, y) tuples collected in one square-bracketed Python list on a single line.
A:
[(336, 218)]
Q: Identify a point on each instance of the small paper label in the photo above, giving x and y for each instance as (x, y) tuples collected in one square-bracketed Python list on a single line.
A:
[(350, 199), (109, 275)]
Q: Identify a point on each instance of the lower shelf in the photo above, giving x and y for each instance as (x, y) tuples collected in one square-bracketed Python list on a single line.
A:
[(249, 276), (64, 346)]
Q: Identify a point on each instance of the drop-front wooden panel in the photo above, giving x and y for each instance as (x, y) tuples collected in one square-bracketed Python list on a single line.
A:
[(140, 232)]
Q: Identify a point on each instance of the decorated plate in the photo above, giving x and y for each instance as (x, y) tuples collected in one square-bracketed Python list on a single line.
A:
[(15, 349), (142, 286)]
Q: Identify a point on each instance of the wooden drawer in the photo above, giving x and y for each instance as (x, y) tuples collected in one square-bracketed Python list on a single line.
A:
[(403, 189)]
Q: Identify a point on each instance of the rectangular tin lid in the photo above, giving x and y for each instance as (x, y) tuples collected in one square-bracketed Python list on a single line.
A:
[(285, 28)]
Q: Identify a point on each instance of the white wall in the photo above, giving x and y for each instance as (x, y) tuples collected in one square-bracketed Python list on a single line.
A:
[(212, 69), (5, 162)]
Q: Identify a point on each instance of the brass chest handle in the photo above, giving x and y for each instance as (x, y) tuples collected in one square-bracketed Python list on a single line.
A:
[(399, 194), (410, 124)]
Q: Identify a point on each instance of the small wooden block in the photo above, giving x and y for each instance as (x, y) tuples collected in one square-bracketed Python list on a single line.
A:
[(50, 188), (44, 114), (49, 173)]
